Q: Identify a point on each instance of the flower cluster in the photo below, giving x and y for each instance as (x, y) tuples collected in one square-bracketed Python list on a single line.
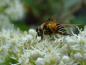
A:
[(15, 10), (24, 48), (12, 45), (10, 10)]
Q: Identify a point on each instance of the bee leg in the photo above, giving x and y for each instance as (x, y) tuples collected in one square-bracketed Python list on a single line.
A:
[(51, 37), (36, 36), (41, 37), (56, 36)]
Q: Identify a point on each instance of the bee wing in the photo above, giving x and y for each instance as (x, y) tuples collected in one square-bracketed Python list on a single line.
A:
[(72, 28)]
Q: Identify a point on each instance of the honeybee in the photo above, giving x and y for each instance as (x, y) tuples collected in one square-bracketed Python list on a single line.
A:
[(51, 27)]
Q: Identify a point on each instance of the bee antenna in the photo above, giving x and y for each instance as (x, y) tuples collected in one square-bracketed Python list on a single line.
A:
[(49, 19)]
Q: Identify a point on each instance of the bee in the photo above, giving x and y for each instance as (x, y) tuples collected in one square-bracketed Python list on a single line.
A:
[(51, 27)]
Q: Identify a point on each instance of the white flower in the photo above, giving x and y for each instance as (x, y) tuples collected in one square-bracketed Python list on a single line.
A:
[(14, 64), (4, 22), (33, 32), (62, 63), (1, 61), (51, 59), (16, 50), (71, 40), (40, 61), (27, 38), (24, 59), (38, 38), (15, 10), (4, 3), (75, 47), (78, 56), (34, 54), (66, 58), (84, 56)]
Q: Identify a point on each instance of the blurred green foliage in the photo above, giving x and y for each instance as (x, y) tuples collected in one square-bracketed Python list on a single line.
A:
[(43, 9), (47, 8), (21, 25)]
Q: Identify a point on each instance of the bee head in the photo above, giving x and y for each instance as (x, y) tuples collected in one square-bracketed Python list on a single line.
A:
[(39, 31)]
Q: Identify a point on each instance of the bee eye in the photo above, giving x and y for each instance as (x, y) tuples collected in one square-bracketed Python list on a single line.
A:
[(49, 19)]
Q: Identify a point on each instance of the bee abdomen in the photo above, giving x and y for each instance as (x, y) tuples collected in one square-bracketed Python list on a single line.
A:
[(61, 30)]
